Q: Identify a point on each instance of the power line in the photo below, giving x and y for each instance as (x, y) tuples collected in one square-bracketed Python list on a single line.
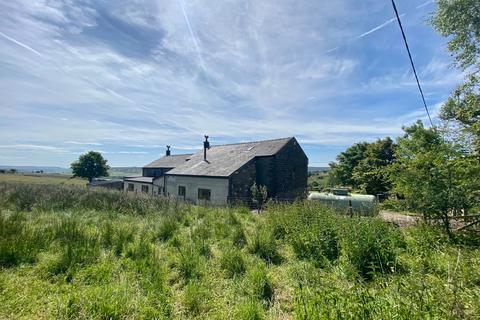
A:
[(411, 62)]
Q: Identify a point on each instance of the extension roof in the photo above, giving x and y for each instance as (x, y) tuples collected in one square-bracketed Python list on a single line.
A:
[(171, 161), (224, 160), (140, 179)]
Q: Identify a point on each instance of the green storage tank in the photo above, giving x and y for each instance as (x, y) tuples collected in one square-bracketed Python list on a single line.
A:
[(341, 199)]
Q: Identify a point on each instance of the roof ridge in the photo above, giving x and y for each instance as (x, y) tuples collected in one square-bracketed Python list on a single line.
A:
[(257, 141), (178, 155)]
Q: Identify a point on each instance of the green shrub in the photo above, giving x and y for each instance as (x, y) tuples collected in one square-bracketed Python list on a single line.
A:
[(233, 263)]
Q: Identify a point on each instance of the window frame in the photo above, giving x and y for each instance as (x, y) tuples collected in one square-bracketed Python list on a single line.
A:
[(184, 193), (202, 194), (130, 187), (145, 188)]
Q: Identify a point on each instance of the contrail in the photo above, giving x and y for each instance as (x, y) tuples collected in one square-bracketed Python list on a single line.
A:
[(386, 23), (21, 44), (91, 82), (192, 35), (424, 4)]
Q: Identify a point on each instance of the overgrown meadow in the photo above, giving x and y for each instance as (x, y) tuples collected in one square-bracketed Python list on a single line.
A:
[(68, 252)]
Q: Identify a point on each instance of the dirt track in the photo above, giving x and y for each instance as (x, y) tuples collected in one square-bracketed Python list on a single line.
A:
[(401, 220)]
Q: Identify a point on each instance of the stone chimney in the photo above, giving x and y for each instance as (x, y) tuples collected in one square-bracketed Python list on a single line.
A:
[(206, 145)]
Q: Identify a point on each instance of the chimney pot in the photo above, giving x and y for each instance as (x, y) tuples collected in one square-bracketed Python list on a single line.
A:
[(167, 153)]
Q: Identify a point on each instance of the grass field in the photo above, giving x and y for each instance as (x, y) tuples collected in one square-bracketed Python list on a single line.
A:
[(69, 252), (33, 178), (318, 181)]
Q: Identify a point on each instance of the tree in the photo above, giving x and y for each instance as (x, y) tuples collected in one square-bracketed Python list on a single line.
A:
[(90, 165), (435, 178), (362, 166), (370, 174), (459, 20), (259, 195), (342, 169)]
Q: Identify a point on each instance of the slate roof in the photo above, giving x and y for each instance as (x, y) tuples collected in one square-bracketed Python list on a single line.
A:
[(169, 161), (140, 179), (224, 160)]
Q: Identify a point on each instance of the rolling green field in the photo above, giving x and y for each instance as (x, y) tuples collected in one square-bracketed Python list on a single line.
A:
[(70, 252), (318, 181), (44, 178)]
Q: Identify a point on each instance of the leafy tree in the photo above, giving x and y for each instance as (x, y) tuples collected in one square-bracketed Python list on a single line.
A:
[(90, 165), (259, 195), (342, 169), (362, 166), (370, 174), (459, 20), (435, 178)]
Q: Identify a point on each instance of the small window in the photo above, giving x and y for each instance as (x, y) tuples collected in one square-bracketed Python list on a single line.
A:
[(204, 194), (182, 191), (130, 187), (144, 188)]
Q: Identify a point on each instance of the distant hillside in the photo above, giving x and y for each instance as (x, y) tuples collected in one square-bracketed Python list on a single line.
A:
[(318, 169), (115, 171), (29, 169), (125, 171)]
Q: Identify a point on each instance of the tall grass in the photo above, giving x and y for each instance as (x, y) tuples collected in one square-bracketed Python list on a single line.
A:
[(24, 197), (71, 253)]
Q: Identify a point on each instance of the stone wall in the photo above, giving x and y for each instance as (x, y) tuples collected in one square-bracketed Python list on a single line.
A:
[(291, 172), (241, 181)]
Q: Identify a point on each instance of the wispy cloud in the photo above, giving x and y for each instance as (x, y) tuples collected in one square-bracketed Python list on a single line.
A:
[(131, 76)]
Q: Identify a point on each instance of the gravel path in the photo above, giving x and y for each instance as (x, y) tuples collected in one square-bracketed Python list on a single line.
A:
[(402, 220)]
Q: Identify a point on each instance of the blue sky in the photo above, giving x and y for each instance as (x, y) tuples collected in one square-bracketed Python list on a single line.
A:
[(127, 77)]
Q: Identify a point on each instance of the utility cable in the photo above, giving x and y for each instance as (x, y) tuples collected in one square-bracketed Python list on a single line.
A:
[(411, 62)]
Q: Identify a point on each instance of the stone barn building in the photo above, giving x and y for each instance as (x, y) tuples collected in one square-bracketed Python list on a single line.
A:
[(225, 173)]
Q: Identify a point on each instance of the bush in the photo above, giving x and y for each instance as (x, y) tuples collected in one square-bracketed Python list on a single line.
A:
[(233, 263)]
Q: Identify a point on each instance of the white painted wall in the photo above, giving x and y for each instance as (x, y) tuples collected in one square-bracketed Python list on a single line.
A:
[(137, 187), (159, 185), (218, 188)]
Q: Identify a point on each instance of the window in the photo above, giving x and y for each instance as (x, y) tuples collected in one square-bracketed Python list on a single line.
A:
[(144, 188), (204, 194), (130, 187), (182, 191)]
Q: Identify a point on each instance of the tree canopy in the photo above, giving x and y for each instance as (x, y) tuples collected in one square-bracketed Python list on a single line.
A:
[(90, 165), (433, 176), (362, 166), (460, 21)]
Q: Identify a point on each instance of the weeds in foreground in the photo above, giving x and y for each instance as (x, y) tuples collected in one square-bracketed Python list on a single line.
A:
[(298, 261)]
